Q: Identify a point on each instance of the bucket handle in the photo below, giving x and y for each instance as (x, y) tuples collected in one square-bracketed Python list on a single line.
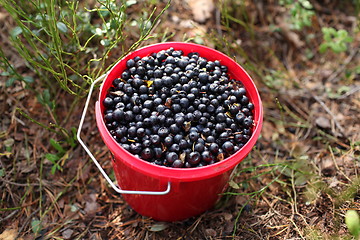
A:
[(116, 188)]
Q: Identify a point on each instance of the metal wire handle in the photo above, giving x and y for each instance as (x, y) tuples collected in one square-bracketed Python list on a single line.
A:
[(116, 188)]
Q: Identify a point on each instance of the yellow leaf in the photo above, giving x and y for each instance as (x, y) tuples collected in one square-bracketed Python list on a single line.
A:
[(149, 83)]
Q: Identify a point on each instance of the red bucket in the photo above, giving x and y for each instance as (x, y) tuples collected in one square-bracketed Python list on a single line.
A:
[(191, 191)]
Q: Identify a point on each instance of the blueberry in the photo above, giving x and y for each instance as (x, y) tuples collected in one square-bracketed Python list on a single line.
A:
[(108, 102), (157, 152), (199, 147), (177, 164), (228, 146), (193, 136), (207, 157), (247, 122), (155, 139), (163, 132), (147, 154), (171, 157), (140, 132), (130, 63), (194, 158), (109, 117), (174, 148), (168, 141)]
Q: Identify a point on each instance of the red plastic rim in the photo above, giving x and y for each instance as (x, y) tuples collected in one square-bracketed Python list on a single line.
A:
[(189, 174)]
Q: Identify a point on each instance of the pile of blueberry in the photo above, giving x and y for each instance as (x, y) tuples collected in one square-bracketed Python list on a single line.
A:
[(178, 111)]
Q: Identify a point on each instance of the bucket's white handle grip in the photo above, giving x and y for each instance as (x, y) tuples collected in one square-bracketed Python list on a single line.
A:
[(117, 189)]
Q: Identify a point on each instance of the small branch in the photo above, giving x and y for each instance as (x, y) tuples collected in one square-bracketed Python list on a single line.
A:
[(26, 222), (19, 184), (330, 113), (335, 74), (9, 216), (352, 91), (218, 22)]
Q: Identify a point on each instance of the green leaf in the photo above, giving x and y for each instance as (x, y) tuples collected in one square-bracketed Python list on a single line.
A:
[(10, 81), (343, 89), (28, 79), (74, 208), (53, 169), (62, 27), (16, 31), (337, 48), (46, 95), (2, 172), (57, 146), (300, 179), (9, 142), (130, 2), (342, 33), (233, 184), (36, 225), (323, 47), (353, 222), (348, 39), (5, 74), (103, 11), (157, 227), (105, 42), (357, 70), (52, 157)]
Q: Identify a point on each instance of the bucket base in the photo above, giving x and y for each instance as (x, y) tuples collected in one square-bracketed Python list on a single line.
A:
[(185, 200)]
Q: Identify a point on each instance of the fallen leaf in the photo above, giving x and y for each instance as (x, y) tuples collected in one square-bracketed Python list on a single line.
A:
[(118, 93), (323, 122), (91, 206), (328, 167), (149, 83), (227, 216), (67, 233), (210, 232), (220, 157), (9, 142), (8, 234)]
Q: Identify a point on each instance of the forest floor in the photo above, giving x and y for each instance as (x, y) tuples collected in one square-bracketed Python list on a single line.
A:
[(297, 183)]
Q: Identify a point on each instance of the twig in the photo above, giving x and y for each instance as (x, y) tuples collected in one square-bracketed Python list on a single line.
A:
[(195, 224), (297, 228), (218, 22), (151, 32), (20, 184), (337, 166), (336, 73), (330, 113), (352, 91), (27, 222), (9, 216)]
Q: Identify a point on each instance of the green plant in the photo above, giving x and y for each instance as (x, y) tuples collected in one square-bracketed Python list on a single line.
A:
[(234, 13), (301, 13), (56, 159), (62, 41), (10, 72), (66, 45), (334, 39)]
